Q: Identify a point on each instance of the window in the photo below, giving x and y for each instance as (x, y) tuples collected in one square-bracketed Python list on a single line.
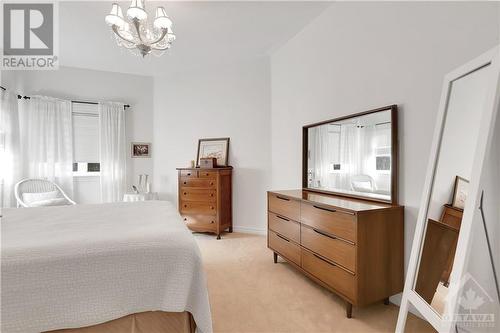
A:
[(383, 148), (85, 140)]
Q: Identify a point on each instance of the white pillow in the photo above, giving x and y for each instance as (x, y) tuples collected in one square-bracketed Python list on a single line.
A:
[(50, 202), (363, 186), (32, 197)]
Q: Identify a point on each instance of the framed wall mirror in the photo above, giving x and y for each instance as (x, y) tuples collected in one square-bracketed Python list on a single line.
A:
[(452, 191), (354, 156)]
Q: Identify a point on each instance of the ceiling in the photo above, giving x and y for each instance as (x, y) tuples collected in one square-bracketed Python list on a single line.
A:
[(208, 34)]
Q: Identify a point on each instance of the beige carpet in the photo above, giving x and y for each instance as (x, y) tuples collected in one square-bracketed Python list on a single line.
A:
[(249, 293)]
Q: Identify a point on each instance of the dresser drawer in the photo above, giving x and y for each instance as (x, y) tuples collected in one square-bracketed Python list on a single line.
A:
[(339, 251), (202, 208), (207, 174), (336, 222), (197, 182), (189, 173), (200, 221), (193, 194), (284, 226), (284, 206), (284, 247), (334, 276)]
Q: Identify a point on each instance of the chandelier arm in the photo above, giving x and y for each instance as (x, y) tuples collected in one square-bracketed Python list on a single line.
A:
[(163, 34), (115, 30), (137, 28)]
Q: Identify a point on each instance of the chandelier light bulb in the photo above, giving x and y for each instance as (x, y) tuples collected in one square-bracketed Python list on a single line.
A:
[(115, 17), (162, 21), (136, 11)]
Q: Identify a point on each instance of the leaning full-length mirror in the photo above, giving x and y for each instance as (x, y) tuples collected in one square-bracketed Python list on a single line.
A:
[(450, 186), (353, 156)]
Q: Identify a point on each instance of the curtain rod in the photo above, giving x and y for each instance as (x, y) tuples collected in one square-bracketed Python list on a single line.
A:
[(81, 102)]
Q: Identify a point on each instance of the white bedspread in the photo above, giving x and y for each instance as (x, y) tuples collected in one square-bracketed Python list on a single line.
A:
[(81, 265)]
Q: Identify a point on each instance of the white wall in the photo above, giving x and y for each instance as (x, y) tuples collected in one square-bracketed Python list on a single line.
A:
[(358, 56), (234, 102), (89, 85)]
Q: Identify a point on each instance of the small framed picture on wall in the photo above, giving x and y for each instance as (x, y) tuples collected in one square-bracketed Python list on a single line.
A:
[(141, 149), (213, 148), (460, 191)]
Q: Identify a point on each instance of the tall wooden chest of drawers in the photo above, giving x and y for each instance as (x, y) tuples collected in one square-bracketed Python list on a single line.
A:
[(354, 248), (205, 199)]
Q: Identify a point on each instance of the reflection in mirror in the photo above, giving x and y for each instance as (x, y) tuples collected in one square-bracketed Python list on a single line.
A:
[(450, 187), (352, 156)]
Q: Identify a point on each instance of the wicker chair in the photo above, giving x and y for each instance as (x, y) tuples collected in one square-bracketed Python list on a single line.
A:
[(37, 186)]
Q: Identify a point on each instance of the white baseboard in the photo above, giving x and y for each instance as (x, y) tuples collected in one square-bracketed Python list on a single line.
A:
[(247, 230)]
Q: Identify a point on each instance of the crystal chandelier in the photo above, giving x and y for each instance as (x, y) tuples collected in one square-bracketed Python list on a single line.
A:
[(136, 34)]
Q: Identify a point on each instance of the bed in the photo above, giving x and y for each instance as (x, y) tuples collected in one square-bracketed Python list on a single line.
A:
[(84, 267)]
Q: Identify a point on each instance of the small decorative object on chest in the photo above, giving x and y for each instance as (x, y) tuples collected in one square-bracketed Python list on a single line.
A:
[(205, 199), (208, 162)]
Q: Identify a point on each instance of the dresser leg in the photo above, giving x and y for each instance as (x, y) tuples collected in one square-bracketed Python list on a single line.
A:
[(231, 229), (275, 257), (386, 301), (348, 310), (218, 236)]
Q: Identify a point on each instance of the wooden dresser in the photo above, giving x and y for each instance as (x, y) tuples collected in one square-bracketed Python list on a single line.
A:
[(354, 248), (205, 199)]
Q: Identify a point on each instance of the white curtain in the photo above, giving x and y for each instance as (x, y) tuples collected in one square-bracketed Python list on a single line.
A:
[(112, 152), (46, 137), (10, 167), (321, 156)]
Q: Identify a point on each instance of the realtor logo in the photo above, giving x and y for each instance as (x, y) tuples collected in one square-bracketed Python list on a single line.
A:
[(29, 36), (475, 306)]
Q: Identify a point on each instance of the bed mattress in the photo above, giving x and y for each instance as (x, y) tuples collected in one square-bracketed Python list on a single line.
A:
[(81, 265)]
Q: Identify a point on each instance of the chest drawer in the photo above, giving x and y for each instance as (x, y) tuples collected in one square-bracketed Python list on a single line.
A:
[(202, 208), (336, 277), (284, 226), (329, 247), (207, 174), (207, 222), (284, 206), (284, 247), (193, 194), (197, 182), (335, 222), (189, 173)]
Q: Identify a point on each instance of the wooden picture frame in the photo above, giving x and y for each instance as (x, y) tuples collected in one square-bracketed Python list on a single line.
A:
[(459, 192), (213, 147), (394, 155), (140, 150)]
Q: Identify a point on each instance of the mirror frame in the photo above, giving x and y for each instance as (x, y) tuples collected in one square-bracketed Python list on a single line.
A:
[(394, 154), (490, 110)]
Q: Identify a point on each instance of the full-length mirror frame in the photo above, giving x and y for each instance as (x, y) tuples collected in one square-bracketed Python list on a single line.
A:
[(384, 164), (446, 321)]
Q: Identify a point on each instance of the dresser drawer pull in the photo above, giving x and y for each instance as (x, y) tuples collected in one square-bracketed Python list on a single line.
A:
[(281, 198), (211, 194), (189, 174), (328, 262), (327, 209), (185, 193), (324, 234), (185, 183), (211, 183), (281, 217), (283, 238), (212, 207)]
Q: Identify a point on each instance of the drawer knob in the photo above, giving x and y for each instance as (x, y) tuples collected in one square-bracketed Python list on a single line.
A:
[(189, 173), (212, 221), (185, 193), (212, 207), (212, 195), (185, 183), (185, 206), (185, 219), (211, 183)]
